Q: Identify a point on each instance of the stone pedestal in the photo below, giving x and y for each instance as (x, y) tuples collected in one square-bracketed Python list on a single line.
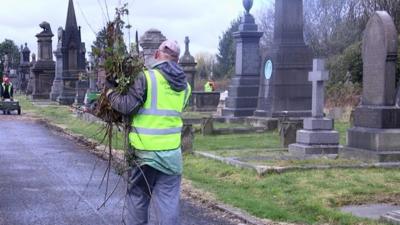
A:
[(81, 87), (188, 64), (376, 131), (24, 69), (243, 90), (317, 136), (150, 42), (57, 83), (205, 101), (68, 92), (44, 69), (284, 88)]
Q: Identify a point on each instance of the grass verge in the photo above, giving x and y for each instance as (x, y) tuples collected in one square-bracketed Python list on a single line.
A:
[(309, 197)]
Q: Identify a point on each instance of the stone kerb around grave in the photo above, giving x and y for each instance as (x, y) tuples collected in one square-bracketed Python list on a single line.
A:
[(376, 131)]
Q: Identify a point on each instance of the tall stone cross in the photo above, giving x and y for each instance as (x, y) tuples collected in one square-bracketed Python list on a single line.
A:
[(317, 77), (187, 41)]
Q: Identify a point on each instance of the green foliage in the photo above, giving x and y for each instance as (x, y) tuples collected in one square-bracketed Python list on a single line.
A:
[(8, 47), (205, 65), (227, 51)]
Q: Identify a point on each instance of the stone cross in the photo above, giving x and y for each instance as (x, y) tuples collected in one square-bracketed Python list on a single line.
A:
[(317, 77), (187, 41), (379, 55)]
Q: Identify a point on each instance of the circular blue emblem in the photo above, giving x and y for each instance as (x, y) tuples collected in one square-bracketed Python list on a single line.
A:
[(268, 69)]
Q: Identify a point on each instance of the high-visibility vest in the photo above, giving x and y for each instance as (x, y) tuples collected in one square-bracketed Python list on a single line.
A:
[(158, 125), (207, 87), (9, 87)]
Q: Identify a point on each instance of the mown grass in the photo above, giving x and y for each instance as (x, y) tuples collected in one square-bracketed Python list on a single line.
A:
[(309, 197), (62, 115)]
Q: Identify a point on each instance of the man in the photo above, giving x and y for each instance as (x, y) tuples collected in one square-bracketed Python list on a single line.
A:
[(7, 89), (155, 103), (209, 86)]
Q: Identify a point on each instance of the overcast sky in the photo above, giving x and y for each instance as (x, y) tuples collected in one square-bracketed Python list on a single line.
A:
[(202, 20)]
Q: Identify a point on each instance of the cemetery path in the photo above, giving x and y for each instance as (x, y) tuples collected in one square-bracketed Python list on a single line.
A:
[(44, 180)]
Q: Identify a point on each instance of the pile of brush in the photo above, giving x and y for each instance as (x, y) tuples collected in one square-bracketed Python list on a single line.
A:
[(121, 65)]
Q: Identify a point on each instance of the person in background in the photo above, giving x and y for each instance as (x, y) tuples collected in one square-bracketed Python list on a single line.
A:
[(7, 89), (209, 86)]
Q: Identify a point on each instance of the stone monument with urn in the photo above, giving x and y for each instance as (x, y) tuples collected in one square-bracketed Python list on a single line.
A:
[(243, 90)]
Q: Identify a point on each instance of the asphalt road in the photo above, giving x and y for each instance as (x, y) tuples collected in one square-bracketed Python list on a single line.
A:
[(44, 180)]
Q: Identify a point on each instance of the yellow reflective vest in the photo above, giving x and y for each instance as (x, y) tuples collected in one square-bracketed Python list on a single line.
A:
[(207, 87), (158, 124)]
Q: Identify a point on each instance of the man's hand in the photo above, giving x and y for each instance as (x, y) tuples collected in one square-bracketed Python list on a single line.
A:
[(110, 83)]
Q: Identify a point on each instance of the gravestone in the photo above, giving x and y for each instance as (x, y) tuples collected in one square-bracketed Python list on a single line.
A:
[(24, 68), (31, 80), (44, 68), (318, 136), (284, 87), (188, 64), (205, 101), (376, 131), (58, 83), (243, 90), (150, 42), (81, 88), (73, 57)]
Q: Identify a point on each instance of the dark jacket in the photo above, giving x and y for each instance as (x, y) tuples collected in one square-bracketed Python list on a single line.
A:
[(4, 90), (131, 102)]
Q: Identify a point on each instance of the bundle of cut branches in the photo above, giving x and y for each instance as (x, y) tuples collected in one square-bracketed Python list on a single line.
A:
[(121, 65)]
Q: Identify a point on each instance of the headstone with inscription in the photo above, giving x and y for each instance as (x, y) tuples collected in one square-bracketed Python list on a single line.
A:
[(243, 89), (284, 87), (317, 136), (376, 131)]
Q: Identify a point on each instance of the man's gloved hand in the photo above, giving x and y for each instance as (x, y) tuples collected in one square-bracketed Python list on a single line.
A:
[(110, 83)]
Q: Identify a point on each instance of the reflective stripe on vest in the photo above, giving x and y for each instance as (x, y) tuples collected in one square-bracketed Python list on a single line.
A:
[(158, 125), (9, 87)]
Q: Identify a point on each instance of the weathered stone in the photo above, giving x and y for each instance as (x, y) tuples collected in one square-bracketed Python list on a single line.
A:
[(320, 137), (73, 57), (188, 64), (57, 87), (317, 77), (81, 87), (245, 84), (379, 60), (205, 101), (207, 126), (24, 69), (187, 138), (44, 68), (150, 41), (377, 120), (288, 130), (306, 149), (317, 137), (318, 124), (284, 83), (377, 117)]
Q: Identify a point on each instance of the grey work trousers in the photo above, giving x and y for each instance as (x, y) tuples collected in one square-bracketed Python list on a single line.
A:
[(148, 189)]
